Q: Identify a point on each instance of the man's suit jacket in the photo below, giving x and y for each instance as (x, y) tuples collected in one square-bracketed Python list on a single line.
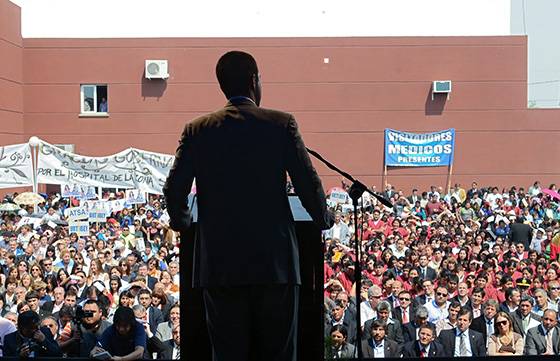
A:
[(167, 353), (392, 349), (535, 342), (394, 331), (409, 331), (348, 351), (431, 273), (421, 300), (397, 313), (479, 325), (518, 321), (155, 318), (244, 148), (412, 349), (447, 339), (48, 348)]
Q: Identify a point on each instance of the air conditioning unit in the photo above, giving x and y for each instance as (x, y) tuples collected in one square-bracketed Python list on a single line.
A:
[(66, 147), (441, 87), (156, 69)]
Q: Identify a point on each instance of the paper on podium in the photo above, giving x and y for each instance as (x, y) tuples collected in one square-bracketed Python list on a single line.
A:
[(300, 214)]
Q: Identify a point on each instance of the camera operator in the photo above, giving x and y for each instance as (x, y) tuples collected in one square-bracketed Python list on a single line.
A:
[(125, 339), (30, 340), (92, 326)]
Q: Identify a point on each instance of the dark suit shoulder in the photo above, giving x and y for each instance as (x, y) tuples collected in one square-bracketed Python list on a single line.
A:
[(271, 116)]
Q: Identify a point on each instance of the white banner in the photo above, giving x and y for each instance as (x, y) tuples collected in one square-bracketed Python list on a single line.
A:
[(131, 168), (77, 191), (16, 169), (135, 196), (76, 213)]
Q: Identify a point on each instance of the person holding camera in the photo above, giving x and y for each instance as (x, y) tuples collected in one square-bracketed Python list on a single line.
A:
[(30, 340)]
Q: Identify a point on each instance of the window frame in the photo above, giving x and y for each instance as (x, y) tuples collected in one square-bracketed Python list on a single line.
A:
[(94, 111)]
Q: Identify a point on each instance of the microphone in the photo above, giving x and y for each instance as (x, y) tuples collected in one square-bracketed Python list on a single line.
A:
[(357, 185)]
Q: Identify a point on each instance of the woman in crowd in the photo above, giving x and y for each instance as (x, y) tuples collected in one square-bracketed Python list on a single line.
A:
[(504, 342)]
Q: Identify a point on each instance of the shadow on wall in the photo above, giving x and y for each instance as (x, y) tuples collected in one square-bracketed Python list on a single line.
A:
[(435, 106), (153, 88)]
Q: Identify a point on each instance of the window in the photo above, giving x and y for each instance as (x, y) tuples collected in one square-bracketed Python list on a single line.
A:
[(93, 99)]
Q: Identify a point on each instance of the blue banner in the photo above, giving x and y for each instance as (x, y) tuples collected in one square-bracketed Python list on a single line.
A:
[(419, 150)]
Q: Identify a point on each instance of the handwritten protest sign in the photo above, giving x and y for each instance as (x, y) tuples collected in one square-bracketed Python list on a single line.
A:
[(81, 228)]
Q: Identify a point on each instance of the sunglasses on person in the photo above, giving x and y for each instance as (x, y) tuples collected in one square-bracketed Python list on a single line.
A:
[(404, 298), (442, 294), (502, 323)]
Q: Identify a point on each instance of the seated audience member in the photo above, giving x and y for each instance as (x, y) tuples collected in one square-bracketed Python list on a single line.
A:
[(377, 345), (523, 318), (164, 330), (393, 327), (544, 339), (426, 346), (173, 346), (340, 348), (30, 340), (461, 341), (504, 341), (125, 338)]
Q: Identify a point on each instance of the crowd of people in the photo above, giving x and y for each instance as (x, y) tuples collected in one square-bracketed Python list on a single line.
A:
[(470, 272), (111, 294)]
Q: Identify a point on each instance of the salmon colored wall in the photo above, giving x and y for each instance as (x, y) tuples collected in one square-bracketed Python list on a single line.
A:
[(11, 74)]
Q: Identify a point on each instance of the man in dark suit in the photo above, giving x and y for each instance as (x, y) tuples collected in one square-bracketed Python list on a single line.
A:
[(144, 276), (523, 318), (173, 347), (429, 294), (414, 197), (247, 262), (425, 346), (393, 327), (425, 272), (411, 329), (485, 323), (338, 316), (155, 317), (30, 340), (404, 313), (544, 339), (461, 341), (377, 345), (521, 232)]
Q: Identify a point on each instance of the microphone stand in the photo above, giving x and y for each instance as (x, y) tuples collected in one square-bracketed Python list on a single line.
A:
[(355, 192)]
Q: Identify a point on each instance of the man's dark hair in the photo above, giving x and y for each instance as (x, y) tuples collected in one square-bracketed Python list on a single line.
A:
[(377, 323), (479, 290), (31, 294), (454, 303), (234, 71), (144, 291), (428, 326), (465, 311), (66, 310), (509, 292), (124, 315), (92, 302), (27, 319)]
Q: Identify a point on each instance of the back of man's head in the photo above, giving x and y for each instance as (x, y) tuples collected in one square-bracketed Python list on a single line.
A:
[(27, 319), (234, 71)]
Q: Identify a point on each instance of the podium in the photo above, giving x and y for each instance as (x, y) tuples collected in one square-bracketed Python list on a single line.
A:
[(194, 334)]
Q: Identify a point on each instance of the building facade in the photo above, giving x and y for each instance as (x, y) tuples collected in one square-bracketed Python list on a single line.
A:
[(344, 91)]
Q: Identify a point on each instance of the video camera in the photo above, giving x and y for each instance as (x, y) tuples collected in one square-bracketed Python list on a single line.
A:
[(80, 314)]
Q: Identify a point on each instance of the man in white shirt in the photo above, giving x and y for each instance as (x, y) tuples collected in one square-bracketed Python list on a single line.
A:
[(367, 308), (437, 309)]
